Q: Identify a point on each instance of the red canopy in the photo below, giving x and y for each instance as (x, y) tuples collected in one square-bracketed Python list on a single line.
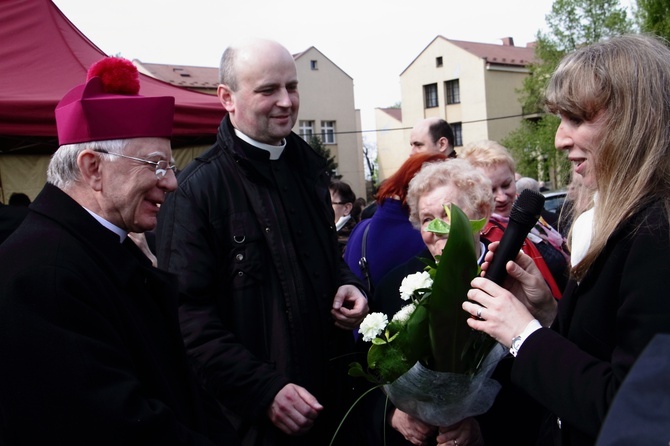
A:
[(43, 55)]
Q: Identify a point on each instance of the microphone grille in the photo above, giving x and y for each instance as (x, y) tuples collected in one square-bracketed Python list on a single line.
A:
[(527, 208)]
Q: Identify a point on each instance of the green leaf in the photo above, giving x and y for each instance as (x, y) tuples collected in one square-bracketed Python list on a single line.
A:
[(448, 328), (438, 226), (416, 339), (430, 263), (375, 353), (441, 227), (356, 370), (477, 225)]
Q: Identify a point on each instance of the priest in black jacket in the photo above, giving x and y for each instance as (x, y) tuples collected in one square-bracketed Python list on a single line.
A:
[(267, 304), (90, 345)]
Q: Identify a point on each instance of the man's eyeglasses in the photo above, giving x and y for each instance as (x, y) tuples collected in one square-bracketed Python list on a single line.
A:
[(160, 167), (338, 202)]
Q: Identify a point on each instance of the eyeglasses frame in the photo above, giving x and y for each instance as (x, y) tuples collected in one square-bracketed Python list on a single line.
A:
[(158, 171)]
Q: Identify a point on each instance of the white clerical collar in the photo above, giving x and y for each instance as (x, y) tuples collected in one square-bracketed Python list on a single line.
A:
[(112, 227), (275, 151)]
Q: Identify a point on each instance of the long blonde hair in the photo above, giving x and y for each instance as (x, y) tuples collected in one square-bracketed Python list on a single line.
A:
[(628, 78)]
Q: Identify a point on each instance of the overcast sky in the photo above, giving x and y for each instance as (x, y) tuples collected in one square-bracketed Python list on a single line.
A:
[(373, 41)]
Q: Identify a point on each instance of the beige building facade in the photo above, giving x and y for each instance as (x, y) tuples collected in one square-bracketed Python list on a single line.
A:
[(471, 85), (392, 141), (327, 108)]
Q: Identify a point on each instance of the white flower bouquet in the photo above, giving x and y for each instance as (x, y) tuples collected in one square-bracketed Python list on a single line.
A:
[(428, 360)]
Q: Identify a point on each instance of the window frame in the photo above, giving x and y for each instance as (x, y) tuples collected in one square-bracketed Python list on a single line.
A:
[(328, 132), (457, 128), (306, 129), (430, 99), (452, 90)]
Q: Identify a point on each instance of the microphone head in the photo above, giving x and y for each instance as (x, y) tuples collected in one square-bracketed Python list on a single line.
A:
[(527, 208)]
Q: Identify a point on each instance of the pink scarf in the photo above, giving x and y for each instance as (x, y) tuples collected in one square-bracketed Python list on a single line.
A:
[(541, 231)]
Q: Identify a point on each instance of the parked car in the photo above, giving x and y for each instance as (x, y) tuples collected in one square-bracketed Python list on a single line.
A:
[(553, 200)]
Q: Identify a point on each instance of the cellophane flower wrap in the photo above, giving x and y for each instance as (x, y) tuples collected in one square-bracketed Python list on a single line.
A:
[(431, 364)]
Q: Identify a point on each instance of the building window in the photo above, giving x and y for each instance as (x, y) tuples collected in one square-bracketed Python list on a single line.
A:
[(328, 132), (438, 62), (313, 64), (430, 95), (453, 92), (306, 130), (458, 133)]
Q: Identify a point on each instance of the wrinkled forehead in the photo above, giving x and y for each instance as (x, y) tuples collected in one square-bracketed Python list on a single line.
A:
[(444, 193), (149, 147)]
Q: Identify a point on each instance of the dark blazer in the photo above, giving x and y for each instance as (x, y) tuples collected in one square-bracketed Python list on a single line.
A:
[(89, 340), (575, 368)]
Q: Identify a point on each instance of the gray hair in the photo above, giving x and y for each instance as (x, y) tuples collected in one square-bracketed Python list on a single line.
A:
[(63, 171), (527, 183), (475, 198)]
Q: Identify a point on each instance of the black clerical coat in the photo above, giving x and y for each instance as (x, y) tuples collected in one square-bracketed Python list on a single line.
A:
[(90, 346), (254, 245)]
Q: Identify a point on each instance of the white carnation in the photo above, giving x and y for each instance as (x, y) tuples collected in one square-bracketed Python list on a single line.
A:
[(414, 282), (404, 313), (372, 326)]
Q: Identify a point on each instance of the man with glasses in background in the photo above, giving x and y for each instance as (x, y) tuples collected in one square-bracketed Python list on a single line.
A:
[(90, 345)]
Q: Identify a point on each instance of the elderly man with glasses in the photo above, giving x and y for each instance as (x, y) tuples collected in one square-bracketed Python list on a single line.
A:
[(90, 345)]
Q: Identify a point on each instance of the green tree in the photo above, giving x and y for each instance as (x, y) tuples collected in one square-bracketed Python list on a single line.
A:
[(571, 24), (653, 16), (547, 57), (574, 23), (532, 145), (331, 166)]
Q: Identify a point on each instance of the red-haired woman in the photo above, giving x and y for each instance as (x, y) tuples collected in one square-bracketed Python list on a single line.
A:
[(389, 237)]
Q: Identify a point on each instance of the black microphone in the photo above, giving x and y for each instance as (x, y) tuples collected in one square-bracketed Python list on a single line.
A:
[(524, 215)]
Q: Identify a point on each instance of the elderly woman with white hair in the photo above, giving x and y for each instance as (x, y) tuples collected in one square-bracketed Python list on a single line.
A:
[(437, 184)]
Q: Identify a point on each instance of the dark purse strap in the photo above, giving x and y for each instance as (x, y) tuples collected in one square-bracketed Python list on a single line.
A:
[(363, 262)]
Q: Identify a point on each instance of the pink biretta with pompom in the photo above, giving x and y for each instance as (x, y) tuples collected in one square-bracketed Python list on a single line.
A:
[(108, 106)]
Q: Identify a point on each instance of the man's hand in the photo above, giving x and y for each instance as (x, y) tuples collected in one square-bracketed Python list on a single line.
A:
[(349, 307), (294, 410)]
